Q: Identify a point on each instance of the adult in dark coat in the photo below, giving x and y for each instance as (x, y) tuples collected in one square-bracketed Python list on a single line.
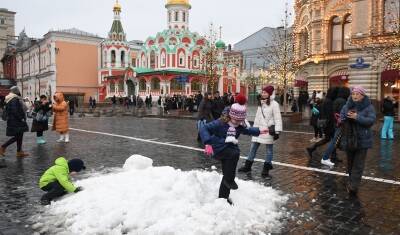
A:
[(327, 117), (40, 122), (205, 112), (218, 105), (359, 112), (16, 121)]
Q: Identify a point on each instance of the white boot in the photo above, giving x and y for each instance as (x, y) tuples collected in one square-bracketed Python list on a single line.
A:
[(62, 136), (67, 138)]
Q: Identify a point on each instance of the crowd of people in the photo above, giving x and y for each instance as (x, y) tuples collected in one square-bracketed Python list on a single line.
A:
[(342, 119)]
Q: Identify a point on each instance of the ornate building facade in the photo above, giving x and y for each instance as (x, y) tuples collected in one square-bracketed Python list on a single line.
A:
[(338, 44)]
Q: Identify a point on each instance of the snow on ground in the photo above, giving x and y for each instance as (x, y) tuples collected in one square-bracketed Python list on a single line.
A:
[(142, 199)]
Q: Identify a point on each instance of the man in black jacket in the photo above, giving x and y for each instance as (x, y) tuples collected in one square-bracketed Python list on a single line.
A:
[(16, 121), (218, 105)]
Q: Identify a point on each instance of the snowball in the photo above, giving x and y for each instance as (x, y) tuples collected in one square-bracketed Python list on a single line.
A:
[(137, 162), (213, 168), (162, 200)]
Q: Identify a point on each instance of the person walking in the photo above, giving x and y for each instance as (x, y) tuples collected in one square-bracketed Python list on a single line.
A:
[(16, 121), (218, 105), (338, 103), (220, 139), (388, 119), (357, 117), (60, 121), (268, 116), (40, 122), (71, 105), (204, 112), (326, 122), (315, 113)]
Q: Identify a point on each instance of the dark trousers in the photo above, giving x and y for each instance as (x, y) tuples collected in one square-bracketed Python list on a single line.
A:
[(324, 141), (39, 133), (18, 138), (229, 158), (317, 132), (71, 111), (355, 166), (54, 190)]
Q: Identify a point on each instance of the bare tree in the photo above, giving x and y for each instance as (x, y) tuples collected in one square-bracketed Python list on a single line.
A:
[(210, 60), (279, 53)]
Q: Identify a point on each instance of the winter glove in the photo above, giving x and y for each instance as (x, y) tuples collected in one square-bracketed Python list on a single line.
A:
[(78, 189), (208, 150)]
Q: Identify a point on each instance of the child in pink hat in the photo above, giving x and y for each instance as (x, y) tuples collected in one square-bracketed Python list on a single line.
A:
[(220, 138)]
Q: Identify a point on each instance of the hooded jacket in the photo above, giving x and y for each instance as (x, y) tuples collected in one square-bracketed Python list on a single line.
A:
[(366, 117), (59, 172), (60, 109), (16, 121)]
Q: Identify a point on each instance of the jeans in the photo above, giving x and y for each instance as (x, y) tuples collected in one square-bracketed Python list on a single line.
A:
[(229, 158), (254, 148), (387, 129), (331, 147)]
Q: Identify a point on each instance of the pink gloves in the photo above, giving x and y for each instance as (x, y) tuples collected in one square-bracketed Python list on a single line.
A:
[(208, 150)]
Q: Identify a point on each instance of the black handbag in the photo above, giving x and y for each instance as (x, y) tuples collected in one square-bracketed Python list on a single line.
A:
[(271, 129)]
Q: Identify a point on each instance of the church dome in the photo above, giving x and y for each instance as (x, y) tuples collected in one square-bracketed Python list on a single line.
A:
[(220, 44), (117, 6), (178, 2)]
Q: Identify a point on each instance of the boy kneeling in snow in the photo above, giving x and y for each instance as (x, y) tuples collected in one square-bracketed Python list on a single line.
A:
[(55, 181), (221, 141)]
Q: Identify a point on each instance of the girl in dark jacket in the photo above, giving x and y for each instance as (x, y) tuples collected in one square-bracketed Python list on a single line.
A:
[(359, 112), (220, 139), (16, 121), (41, 119)]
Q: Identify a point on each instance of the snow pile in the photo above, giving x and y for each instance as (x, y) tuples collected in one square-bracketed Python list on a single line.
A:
[(142, 199)]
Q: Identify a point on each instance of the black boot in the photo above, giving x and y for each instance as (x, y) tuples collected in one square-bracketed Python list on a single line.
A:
[(246, 167), (265, 172), (231, 185), (310, 151)]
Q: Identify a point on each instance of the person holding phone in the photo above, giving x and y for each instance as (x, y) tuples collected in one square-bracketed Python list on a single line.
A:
[(360, 116)]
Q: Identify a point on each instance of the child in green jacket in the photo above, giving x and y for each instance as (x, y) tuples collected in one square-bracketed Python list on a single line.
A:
[(55, 181)]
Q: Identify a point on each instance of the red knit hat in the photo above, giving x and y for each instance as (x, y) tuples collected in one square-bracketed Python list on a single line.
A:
[(269, 90), (238, 109)]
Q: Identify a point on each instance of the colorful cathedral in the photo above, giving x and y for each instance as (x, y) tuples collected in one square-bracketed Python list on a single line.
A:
[(169, 63)]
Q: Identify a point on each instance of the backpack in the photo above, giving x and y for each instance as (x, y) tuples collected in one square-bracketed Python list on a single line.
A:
[(349, 138), (4, 115)]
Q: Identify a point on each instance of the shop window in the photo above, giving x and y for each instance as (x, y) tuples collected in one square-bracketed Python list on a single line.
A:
[(121, 86), (112, 87)]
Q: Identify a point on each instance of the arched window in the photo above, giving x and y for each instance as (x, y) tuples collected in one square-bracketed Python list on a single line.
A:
[(121, 86), (336, 34), (112, 87), (184, 16), (152, 59), (391, 16), (113, 56), (196, 86), (155, 84), (176, 86), (181, 59), (142, 85), (163, 58), (176, 15), (169, 16), (347, 32), (122, 57), (105, 57), (304, 45)]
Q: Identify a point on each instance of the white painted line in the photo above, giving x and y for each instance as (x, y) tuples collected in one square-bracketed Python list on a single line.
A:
[(150, 118), (299, 132), (171, 142), (258, 160), (152, 139)]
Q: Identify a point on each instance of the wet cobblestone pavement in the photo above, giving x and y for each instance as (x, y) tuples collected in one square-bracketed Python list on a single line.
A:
[(318, 201)]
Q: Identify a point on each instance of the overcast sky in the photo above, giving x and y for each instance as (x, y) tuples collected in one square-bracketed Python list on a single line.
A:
[(143, 18)]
